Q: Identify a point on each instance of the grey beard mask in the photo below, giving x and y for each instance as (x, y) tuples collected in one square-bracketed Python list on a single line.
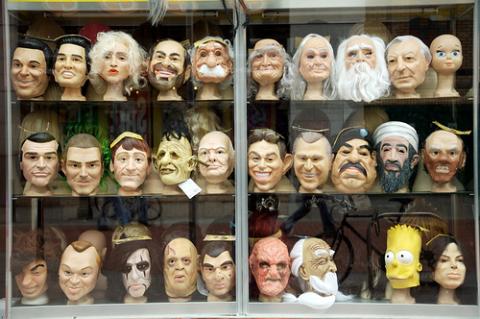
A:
[(393, 181)]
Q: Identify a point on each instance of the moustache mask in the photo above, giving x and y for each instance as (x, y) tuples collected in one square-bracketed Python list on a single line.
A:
[(354, 165)]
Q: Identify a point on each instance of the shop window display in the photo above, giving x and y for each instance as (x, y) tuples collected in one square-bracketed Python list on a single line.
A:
[(342, 128)]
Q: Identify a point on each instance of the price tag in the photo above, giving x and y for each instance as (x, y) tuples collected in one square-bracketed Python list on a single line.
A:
[(190, 188)]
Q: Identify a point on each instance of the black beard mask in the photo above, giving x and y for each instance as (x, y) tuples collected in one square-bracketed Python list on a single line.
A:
[(393, 181)]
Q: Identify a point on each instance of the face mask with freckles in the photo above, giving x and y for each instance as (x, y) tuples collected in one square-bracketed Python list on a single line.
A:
[(271, 267)]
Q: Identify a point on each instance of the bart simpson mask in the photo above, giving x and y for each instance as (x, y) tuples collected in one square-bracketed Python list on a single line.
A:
[(402, 256)]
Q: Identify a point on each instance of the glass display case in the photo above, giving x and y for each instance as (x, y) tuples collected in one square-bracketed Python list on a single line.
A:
[(241, 159)]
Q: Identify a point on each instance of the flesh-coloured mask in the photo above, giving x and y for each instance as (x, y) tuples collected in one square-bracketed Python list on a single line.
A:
[(70, 66), (216, 154), (353, 168), (84, 169), (218, 273), (180, 268), (311, 163), (29, 73), (265, 166), (316, 60), (212, 63), (39, 162), (407, 65), (166, 65)]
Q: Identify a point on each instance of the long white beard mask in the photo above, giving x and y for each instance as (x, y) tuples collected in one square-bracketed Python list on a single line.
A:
[(323, 296), (362, 83)]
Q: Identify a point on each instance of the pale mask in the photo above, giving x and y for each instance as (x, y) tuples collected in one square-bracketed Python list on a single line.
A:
[(446, 53), (136, 276), (316, 60), (353, 168), (180, 268), (29, 73), (70, 66), (317, 259), (265, 165), (130, 168), (402, 256), (32, 279), (360, 49), (78, 273), (212, 63), (166, 68), (83, 169), (216, 156), (174, 160), (267, 62), (407, 66), (39, 162), (311, 162), (443, 155), (450, 268), (115, 68), (218, 273)]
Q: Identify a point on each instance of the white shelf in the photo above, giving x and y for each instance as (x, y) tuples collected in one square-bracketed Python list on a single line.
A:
[(254, 5), (112, 6)]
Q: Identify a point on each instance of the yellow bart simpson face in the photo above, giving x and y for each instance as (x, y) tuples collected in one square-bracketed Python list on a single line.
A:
[(402, 256)]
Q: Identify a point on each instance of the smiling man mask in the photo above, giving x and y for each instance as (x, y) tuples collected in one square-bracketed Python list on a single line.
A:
[(168, 69)]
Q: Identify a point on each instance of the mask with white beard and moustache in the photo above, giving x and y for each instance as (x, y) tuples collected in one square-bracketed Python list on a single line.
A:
[(362, 73), (217, 73), (323, 295)]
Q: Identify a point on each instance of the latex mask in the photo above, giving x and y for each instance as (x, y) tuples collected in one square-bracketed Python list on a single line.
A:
[(443, 156), (397, 149), (29, 73), (174, 160), (39, 164), (402, 256), (218, 274), (267, 67), (78, 272), (212, 62), (166, 70), (361, 73), (270, 266), (130, 162), (450, 268), (137, 277), (216, 157), (447, 58), (180, 269), (70, 70), (313, 265), (354, 167), (311, 162), (407, 66), (83, 169), (32, 280), (315, 64)]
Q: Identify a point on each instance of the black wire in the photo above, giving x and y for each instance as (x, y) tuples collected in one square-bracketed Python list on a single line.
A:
[(235, 25)]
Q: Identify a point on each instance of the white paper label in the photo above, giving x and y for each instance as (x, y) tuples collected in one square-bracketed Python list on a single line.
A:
[(190, 188)]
